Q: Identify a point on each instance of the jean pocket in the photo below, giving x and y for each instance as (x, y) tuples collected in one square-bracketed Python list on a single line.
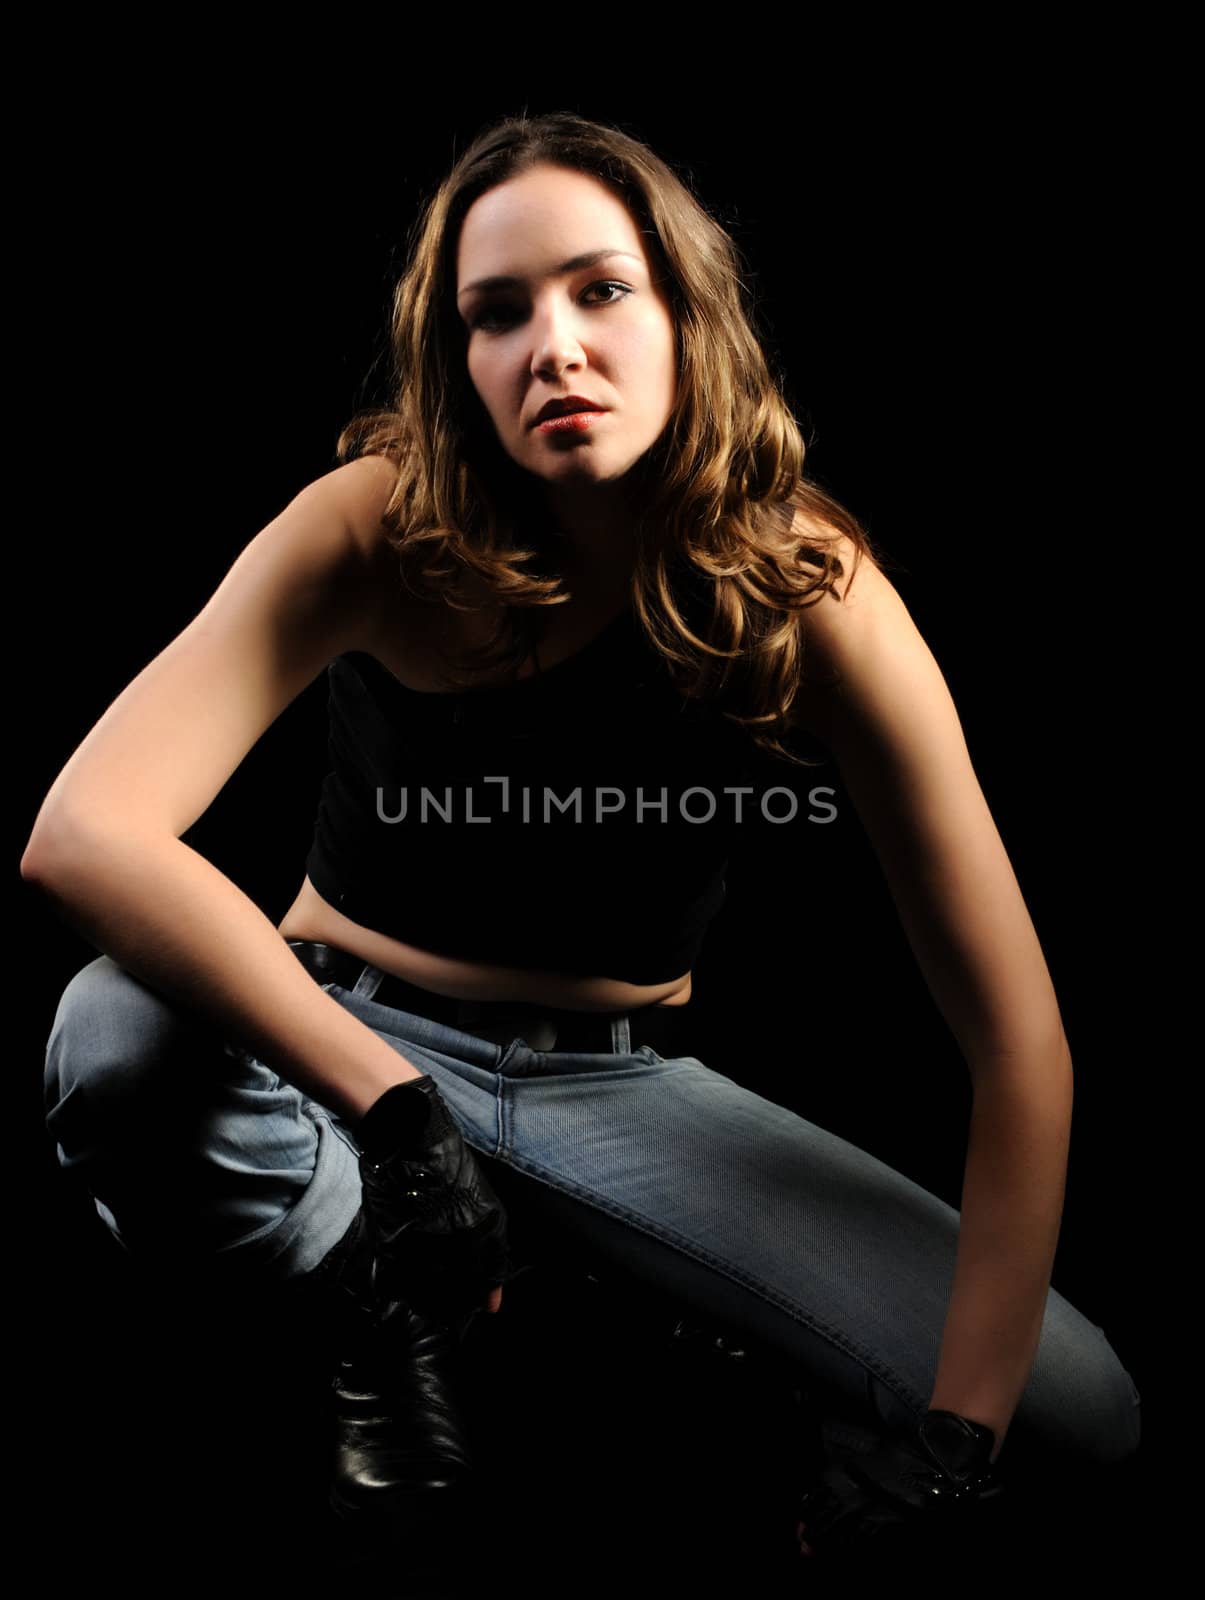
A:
[(510, 1063), (320, 1113)]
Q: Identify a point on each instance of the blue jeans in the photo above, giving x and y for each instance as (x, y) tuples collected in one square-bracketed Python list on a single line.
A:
[(200, 1158)]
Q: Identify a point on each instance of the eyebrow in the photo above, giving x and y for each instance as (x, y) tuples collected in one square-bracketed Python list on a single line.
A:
[(574, 264)]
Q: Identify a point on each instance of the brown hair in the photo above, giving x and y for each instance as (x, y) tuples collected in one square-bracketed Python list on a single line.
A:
[(723, 572)]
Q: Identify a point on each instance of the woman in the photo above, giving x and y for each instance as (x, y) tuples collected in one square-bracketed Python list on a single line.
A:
[(579, 547)]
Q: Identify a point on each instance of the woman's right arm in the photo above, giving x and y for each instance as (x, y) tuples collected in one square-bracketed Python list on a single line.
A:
[(106, 846)]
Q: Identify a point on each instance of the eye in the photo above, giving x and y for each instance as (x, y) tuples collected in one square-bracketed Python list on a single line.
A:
[(623, 287), (493, 316), (498, 317)]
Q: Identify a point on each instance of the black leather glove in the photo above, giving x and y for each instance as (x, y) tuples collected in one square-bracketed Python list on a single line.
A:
[(436, 1228), (911, 1492)]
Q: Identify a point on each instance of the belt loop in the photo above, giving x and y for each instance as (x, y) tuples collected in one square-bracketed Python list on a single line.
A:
[(621, 1034), (368, 982)]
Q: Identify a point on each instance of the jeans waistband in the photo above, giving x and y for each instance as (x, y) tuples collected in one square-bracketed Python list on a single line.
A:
[(543, 1027)]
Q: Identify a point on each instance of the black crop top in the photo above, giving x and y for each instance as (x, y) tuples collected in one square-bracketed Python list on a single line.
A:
[(575, 821)]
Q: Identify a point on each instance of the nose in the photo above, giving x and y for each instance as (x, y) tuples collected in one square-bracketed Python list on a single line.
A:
[(555, 344)]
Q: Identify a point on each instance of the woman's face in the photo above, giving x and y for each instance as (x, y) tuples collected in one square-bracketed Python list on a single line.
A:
[(559, 326)]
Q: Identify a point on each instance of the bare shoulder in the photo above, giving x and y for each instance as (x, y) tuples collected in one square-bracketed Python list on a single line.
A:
[(355, 563), (358, 493), (863, 597), (295, 598), (857, 640)]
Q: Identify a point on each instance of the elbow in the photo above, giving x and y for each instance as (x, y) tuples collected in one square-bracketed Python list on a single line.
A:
[(1036, 1085), (55, 842), (1033, 1054), (31, 866), (75, 870), (43, 867), (39, 851)]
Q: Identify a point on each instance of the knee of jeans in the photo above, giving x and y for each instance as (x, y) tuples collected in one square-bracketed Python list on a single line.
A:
[(114, 1043), (1081, 1404), (1122, 1439), (1113, 1427)]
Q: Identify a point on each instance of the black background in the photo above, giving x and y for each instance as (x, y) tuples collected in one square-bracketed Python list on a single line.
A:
[(944, 272)]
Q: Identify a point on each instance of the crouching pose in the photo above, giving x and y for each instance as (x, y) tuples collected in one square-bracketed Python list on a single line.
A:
[(563, 591)]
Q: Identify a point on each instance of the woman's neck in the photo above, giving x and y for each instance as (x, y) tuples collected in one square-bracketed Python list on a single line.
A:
[(594, 538)]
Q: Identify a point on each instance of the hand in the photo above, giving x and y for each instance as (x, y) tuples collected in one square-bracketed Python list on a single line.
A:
[(437, 1229), (916, 1486)]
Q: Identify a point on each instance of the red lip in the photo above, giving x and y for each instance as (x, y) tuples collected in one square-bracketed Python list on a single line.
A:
[(561, 407)]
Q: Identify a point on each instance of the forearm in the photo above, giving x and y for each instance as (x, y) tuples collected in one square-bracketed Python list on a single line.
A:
[(1012, 1204), (170, 918)]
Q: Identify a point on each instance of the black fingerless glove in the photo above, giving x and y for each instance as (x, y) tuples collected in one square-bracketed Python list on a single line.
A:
[(436, 1228), (912, 1492)]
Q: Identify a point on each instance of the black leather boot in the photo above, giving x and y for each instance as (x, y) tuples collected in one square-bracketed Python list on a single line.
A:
[(399, 1431)]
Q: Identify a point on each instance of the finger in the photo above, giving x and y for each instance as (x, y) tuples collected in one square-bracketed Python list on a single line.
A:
[(494, 1302)]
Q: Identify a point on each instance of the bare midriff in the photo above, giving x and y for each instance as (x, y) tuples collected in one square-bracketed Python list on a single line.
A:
[(313, 918), (406, 638)]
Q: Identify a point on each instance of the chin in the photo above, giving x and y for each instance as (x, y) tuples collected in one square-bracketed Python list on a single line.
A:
[(588, 462), (577, 471)]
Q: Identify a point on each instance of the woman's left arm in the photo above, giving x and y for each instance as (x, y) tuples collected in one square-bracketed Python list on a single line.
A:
[(875, 696)]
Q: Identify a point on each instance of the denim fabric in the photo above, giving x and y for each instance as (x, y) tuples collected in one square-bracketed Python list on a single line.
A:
[(197, 1154)]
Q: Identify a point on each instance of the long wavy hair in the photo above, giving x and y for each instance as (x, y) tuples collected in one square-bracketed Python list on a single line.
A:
[(733, 543)]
